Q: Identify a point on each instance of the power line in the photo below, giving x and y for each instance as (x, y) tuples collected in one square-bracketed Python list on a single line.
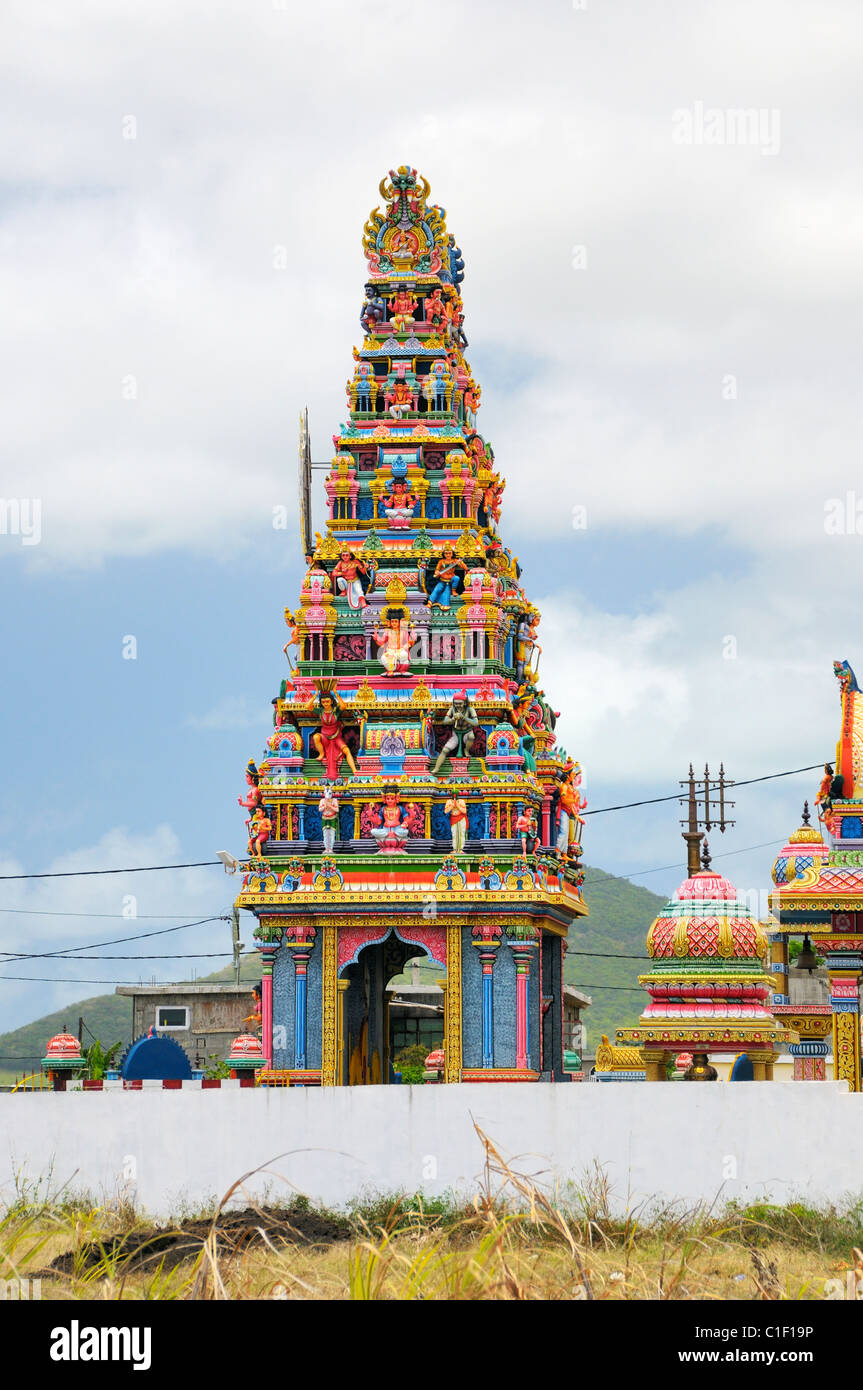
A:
[(65, 951), (113, 916), (678, 796), (82, 980), (189, 955), (139, 869)]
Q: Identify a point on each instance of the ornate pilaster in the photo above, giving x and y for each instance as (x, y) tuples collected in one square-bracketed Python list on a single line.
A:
[(330, 1011), (778, 967), (845, 969), (452, 1006), (342, 986)]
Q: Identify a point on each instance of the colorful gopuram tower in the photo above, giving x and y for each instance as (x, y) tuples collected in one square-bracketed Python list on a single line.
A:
[(708, 986), (412, 799), (819, 893)]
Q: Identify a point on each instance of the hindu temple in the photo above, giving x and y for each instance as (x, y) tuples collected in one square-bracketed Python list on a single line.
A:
[(412, 799), (818, 894)]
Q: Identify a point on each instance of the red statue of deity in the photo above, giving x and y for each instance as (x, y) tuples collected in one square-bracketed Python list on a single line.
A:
[(329, 741), (402, 308), (399, 504), (347, 573), (435, 309)]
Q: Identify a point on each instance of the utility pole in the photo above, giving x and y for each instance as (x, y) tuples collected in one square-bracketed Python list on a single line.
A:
[(698, 792), (237, 943)]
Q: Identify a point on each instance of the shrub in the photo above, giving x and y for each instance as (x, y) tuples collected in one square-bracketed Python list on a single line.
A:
[(413, 1076), (413, 1056)]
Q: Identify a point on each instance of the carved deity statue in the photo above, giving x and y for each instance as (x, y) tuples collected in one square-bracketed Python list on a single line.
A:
[(329, 740), (394, 641), (462, 718), (392, 823)]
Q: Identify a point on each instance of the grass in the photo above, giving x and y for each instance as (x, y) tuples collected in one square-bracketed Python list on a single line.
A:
[(512, 1241)]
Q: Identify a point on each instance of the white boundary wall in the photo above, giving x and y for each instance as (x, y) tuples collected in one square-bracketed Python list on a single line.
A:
[(175, 1150)]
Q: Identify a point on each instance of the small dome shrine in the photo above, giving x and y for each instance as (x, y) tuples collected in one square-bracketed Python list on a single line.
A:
[(63, 1047), (708, 987), (801, 860), (63, 1057), (246, 1054), (245, 1046), (706, 919)]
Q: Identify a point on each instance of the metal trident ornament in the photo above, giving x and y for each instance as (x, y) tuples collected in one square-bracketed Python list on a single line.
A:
[(706, 807)]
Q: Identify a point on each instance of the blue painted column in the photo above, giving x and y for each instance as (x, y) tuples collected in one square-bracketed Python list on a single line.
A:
[(301, 961), (487, 945), (487, 956)]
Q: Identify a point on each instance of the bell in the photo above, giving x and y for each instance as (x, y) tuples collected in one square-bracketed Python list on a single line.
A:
[(807, 960)]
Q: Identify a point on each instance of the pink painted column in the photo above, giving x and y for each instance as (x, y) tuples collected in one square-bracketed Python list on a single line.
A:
[(546, 821), (522, 953), (267, 1006)]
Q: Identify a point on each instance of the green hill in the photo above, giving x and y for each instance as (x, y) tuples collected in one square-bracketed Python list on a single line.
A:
[(107, 1016), (620, 913)]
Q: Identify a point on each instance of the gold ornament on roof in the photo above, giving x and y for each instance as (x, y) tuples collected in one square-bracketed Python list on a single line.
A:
[(327, 549), (396, 591), (466, 546)]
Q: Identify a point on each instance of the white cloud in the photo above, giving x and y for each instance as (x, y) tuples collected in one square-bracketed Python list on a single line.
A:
[(152, 258)]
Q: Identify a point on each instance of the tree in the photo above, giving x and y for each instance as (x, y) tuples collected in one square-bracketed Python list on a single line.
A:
[(99, 1060)]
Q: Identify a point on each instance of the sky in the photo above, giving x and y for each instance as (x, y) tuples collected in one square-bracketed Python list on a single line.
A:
[(660, 210)]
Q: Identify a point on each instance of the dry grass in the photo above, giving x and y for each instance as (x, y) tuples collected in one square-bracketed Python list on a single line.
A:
[(513, 1241)]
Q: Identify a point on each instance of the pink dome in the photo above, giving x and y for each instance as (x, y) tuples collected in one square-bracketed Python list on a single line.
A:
[(706, 919), (246, 1045), (706, 885), (63, 1045)]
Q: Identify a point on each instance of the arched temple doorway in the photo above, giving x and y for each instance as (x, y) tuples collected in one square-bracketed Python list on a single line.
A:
[(365, 1048)]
